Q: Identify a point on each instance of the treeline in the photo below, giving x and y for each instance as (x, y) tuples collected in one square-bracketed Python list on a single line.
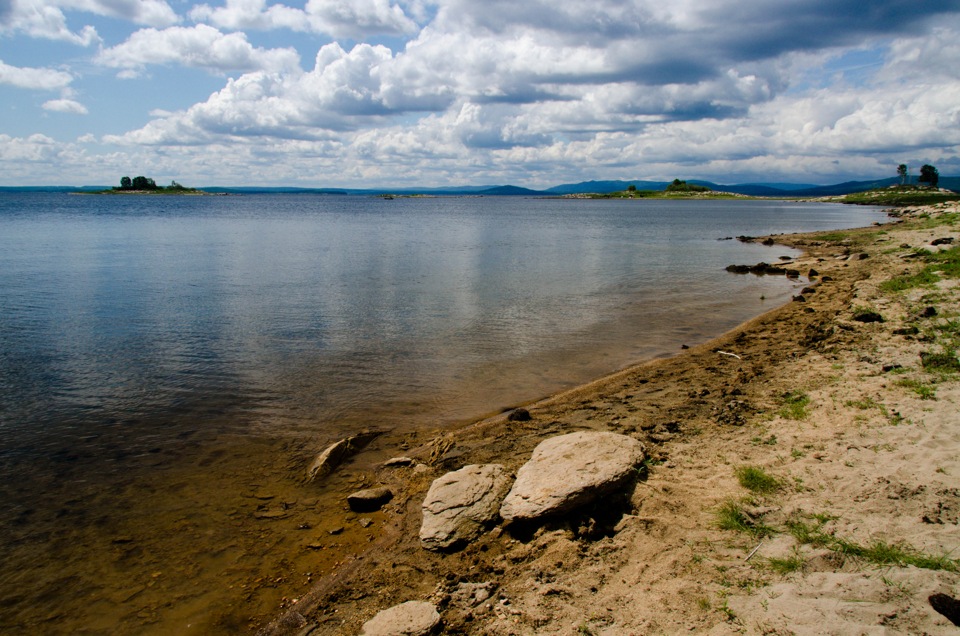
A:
[(146, 183)]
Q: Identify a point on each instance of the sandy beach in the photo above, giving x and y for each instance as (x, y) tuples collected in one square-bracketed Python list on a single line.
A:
[(803, 476)]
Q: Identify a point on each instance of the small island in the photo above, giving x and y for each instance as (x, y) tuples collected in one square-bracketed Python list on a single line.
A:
[(146, 185), (676, 190)]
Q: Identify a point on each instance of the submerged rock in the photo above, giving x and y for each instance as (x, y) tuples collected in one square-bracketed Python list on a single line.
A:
[(413, 618), (569, 471), (461, 505), (333, 455)]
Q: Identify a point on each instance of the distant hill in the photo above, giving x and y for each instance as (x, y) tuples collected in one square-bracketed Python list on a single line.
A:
[(784, 190)]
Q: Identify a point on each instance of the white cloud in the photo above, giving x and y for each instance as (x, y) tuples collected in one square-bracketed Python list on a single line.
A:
[(554, 90), (337, 18), (34, 78), (200, 46), (46, 19), (65, 106)]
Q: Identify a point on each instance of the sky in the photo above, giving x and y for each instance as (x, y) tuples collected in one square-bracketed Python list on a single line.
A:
[(535, 93)]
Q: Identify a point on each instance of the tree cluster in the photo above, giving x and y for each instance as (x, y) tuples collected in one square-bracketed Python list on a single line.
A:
[(928, 174), (683, 186), (138, 183)]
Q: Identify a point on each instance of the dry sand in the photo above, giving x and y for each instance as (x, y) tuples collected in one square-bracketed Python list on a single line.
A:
[(871, 460)]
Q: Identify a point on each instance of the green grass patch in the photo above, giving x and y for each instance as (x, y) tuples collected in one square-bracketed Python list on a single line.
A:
[(878, 552), (924, 391), (945, 264), (794, 406), (945, 362), (732, 516), (758, 481), (786, 565)]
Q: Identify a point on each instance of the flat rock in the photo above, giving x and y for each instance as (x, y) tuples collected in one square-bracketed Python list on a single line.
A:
[(413, 618), (370, 499), (461, 505), (570, 471)]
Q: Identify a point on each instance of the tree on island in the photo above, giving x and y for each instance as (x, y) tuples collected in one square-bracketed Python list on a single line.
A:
[(138, 183), (929, 174), (902, 173), (683, 186)]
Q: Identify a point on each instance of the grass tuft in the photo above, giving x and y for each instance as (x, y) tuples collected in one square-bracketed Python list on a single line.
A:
[(758, 481), (794, 406), (732, 516)]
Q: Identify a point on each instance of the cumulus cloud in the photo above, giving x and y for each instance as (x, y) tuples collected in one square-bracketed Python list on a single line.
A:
[(46, 19), (200, 46), (556, 89), (34, 78), (337, 18), (65, 106)]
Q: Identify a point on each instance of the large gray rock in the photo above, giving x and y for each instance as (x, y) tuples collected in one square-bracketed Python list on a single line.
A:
[(413, 618), (461, 505), (570, 471)]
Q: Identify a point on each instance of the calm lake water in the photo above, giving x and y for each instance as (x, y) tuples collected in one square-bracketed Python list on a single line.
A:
[(154, 349)]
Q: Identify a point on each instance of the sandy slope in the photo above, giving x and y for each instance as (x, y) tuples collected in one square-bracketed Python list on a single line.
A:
[(872, 457)]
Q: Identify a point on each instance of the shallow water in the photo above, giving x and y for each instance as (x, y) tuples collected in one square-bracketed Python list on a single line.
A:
[(168, 364)]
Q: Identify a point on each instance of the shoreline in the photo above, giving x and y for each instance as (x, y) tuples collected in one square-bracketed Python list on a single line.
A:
[(666, 566)]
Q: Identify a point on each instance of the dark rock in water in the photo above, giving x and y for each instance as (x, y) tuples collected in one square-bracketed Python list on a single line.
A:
[(746, 239), (725, 238), (684, 347), (799, 299), (768, 242), (336, 453), (868, 316), (946, 606), (812, 273), (947, 240), (808, 290), (370, 499), (738, 269), (519, 415), (792, 273)]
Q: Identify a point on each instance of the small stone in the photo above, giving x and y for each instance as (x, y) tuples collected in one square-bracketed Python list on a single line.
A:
[(398, 461), (365, 522), (370, 499), (335, 531), (519, 415)]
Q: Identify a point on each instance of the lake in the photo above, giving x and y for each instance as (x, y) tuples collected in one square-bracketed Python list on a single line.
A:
[(166, 361)]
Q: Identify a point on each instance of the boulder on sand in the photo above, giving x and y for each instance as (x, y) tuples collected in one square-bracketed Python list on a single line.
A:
[(570, 471), (413, 618), (461, 505)]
